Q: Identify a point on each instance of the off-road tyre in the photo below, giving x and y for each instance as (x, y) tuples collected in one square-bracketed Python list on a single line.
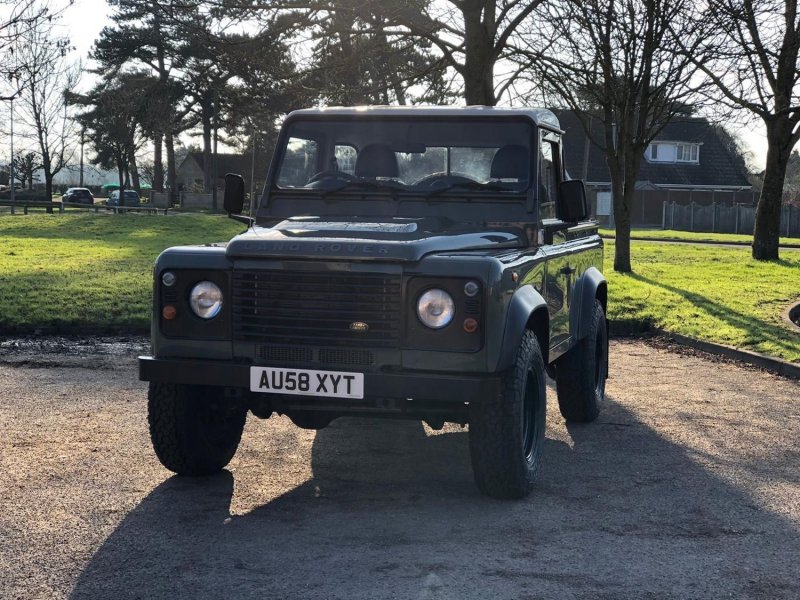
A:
[(195, 430), (581, 373), (506, 433)]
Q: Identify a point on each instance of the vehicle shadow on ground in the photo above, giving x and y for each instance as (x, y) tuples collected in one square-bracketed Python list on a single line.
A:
[(776, 333), (392, 512)]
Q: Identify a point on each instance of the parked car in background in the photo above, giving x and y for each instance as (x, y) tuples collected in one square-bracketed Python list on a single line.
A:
[(131, 198), (78, 196)]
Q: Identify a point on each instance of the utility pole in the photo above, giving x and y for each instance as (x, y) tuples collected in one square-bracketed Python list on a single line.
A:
[(13, 186), (253, 173), (214, 158), (83, 133)]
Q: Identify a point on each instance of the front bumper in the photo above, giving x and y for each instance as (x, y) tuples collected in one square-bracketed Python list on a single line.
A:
[(457, 388)]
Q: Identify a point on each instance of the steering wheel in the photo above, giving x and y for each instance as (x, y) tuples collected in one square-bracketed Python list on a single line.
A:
[(442, 177), (331, 173)]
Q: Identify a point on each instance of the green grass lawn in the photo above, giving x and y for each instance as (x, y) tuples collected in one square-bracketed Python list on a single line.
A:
[(80, 272), (693, 236), (86, 272), (714, 293)]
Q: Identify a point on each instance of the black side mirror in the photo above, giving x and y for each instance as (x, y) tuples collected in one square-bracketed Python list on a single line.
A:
[(234, 193), (572, 206)]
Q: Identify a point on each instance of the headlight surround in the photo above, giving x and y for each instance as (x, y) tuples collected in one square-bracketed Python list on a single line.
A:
[(435, 308), (205, 300)]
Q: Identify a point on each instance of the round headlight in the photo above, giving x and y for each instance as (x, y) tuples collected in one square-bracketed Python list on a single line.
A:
[(435, 308), (206, 300)]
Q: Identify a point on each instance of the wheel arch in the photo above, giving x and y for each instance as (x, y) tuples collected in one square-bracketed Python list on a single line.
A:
[(590, 287), (527, 310)]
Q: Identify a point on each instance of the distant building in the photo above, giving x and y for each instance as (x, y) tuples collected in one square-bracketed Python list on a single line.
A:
[(189, 177), (687, 162)]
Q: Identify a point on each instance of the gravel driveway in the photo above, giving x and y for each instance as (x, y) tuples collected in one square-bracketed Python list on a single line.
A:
[(688, 486)]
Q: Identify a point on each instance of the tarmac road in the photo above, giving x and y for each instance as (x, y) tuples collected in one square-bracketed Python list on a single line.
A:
[(688, 486)]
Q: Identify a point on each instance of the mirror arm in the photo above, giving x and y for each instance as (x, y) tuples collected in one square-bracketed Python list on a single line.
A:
[(552, 227)]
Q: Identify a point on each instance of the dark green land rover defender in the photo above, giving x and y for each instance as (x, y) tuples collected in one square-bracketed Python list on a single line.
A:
[(425, 263)]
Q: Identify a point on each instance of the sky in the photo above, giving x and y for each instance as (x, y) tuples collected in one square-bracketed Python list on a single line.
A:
[(84, 20)]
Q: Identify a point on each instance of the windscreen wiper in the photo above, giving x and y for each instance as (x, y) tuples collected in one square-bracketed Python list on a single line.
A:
[(470, 185), (367, 184)]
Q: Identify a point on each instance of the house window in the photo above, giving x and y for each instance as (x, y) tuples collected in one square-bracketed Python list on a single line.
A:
[(671, 152), (688, 153)]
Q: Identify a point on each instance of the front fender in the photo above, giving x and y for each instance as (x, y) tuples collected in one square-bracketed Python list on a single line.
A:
[(524, 303), (583, 295)]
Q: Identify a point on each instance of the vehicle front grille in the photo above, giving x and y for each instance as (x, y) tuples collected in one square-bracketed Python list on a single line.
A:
[(305, 308), (343, 357)]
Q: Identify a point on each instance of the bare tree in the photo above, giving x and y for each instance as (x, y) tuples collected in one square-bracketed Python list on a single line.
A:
[(25, 167), (46, 76), (149, 175), (750, 53), (615, 61), (17, 19)]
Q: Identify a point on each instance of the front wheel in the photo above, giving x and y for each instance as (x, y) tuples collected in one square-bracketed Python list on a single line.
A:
[(195, 430), (581, 373), (506, 433)]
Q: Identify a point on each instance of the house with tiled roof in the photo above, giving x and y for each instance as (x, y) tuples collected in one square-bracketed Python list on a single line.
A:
[(687, 162), (189, 175)]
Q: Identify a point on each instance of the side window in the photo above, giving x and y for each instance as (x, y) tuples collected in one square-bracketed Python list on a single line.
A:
[(300, 162), (548, 171)]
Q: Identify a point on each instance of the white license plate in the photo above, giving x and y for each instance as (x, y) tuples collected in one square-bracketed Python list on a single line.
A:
[(305, 382)]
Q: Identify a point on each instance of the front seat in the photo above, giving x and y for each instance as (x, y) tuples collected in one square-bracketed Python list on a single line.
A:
[(377, 160), (511, 162)]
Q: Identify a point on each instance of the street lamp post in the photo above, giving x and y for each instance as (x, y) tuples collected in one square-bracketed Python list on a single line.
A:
[(83, 133), (11, 168)]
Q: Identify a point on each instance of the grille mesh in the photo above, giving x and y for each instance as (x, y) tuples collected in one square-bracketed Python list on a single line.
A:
[(284, 354), (316, 308), (346, 357)]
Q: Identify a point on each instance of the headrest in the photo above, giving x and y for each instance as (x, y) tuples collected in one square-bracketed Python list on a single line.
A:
[(511, 162), (376, 160)]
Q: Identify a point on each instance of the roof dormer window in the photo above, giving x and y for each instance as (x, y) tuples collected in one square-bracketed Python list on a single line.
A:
[(673, 152), (688, 153)]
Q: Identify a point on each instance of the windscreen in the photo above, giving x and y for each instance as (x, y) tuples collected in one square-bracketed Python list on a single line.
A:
[(415, 155)]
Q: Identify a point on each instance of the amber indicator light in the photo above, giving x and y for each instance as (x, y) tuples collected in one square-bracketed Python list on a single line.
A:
[(169, 312), (470, 325)]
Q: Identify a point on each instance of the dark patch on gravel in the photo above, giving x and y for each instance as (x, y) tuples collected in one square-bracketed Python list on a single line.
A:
[(70, 351)]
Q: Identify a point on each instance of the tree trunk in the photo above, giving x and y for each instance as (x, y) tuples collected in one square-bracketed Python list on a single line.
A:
[(121, 174), (48, 184), (169, 140), (158, 163), (766, 231), (622, 226), (134, 172), (621, 204), (479, 55), (206, 114)]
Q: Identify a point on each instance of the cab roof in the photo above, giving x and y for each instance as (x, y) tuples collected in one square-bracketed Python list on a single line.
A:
[(539, 116)]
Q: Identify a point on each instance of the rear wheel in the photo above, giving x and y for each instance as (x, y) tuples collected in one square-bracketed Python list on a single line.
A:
[(506, 433), (195, 430), (581, 373)]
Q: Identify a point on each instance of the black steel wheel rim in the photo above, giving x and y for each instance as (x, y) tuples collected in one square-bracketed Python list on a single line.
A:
[(530, 423), (600, 364)]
